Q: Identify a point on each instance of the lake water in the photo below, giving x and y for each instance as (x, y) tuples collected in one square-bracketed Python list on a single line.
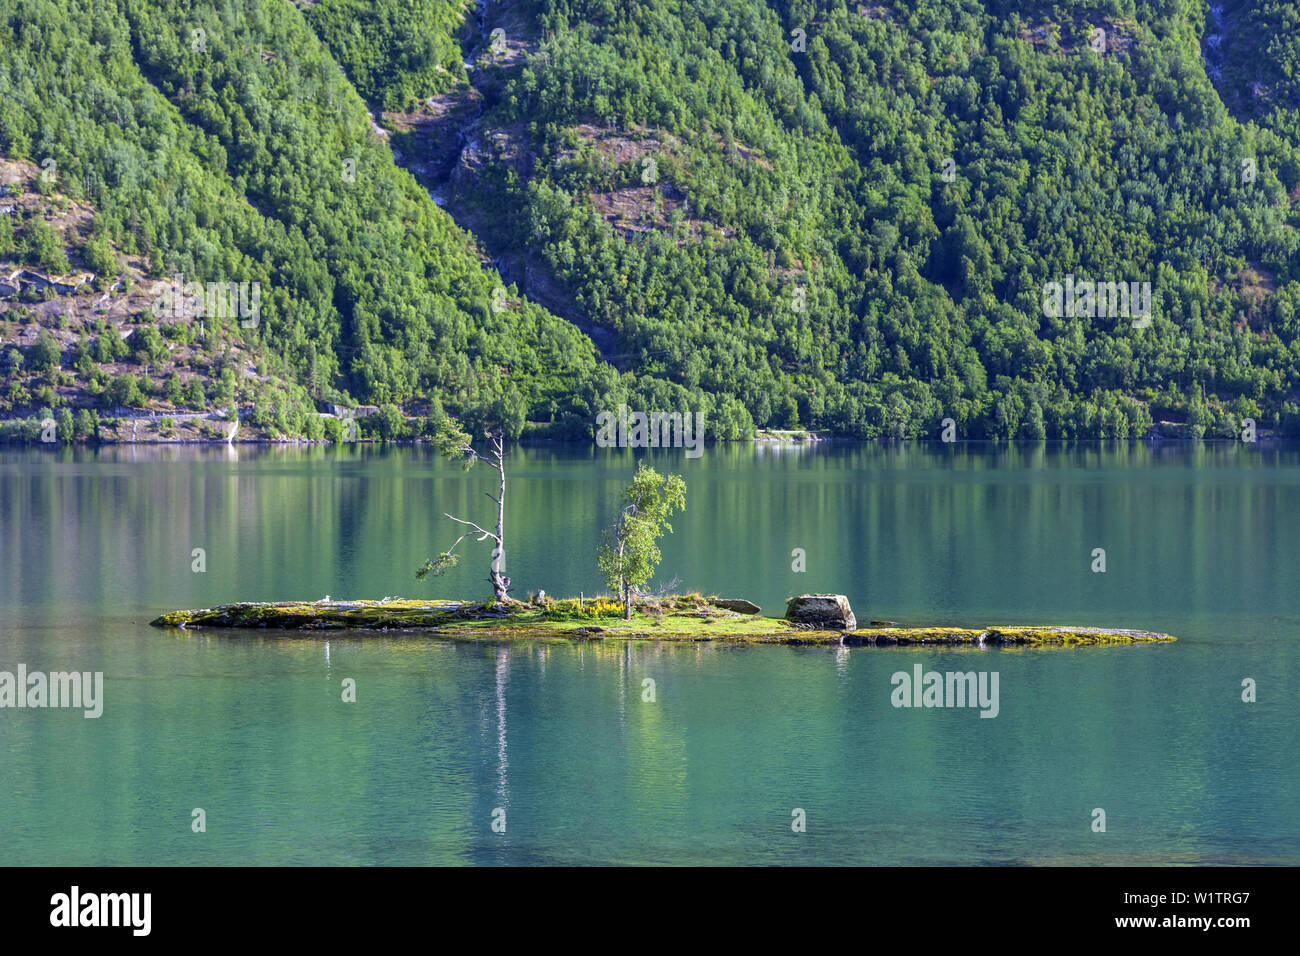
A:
[(1199, 541)]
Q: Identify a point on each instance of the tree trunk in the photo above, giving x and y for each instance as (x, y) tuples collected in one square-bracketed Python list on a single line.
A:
[(627, 588), (500, 583)]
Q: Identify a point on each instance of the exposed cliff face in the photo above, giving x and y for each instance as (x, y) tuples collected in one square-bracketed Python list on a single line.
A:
[(447, 147)]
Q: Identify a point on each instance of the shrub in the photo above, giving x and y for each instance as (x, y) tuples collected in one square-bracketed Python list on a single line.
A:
[(124, 390), (194, 397), (66, 428), (86, 424), (389, 423), (109, 345), (99, 257), (43, 248), (46, 353)]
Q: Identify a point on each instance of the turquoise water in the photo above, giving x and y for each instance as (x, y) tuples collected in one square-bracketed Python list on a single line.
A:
[(1200, 542)]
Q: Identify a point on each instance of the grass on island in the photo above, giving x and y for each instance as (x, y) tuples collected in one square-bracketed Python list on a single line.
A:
[(688, 617), (679, 617)]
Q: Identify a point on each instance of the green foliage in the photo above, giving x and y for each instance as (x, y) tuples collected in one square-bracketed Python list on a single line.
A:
[(333, 430), (147, 345), (65, 428), (14, 362), (818, 175), (124, 391), (388, 423), (109, 344), (99, 256), (43, 248), (630, 552), (86, 424), (453, 442), (192, 395), (798, 259), (444, 562), (592, 608), (225, 165), (46, 353), (511, 411), (395, 52)]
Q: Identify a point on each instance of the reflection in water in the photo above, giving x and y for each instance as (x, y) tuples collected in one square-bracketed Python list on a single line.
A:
[(624, 676), (502, 679), (1201, 542)]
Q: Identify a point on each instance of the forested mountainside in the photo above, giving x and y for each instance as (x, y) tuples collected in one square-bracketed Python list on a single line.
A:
[(785, 215)]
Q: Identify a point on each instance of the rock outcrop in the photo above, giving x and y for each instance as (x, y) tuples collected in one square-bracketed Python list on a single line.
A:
[(829, 612)]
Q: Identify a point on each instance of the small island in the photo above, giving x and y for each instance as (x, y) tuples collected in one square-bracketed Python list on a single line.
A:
[(626, 558), (690, 617)]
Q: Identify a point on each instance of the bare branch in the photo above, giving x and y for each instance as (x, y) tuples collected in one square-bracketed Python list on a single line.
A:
[(459, 540), (485, 534)]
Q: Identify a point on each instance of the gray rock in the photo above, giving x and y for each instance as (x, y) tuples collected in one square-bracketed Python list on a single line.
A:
[(739, 605), (829, 612)]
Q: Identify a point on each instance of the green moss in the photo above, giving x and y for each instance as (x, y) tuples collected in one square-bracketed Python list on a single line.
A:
[(372, 615), (1012, 635), (677, 618)]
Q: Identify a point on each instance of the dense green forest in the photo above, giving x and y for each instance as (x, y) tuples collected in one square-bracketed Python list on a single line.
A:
[(395, 52), (242, 153), (787, 215)]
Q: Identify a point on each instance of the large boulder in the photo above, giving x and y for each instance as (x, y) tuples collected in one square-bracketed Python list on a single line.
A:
[(827, 612)]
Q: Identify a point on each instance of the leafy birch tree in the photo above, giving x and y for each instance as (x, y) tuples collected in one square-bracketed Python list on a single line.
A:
[(630, 550)]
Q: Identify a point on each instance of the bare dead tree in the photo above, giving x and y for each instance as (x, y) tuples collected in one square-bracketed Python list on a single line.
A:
[(456, 444)]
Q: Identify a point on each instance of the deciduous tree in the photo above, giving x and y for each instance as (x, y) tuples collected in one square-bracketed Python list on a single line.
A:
[(630, 552)]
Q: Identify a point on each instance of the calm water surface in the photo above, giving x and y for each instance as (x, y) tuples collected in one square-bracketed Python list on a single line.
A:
[(1200, 542)]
